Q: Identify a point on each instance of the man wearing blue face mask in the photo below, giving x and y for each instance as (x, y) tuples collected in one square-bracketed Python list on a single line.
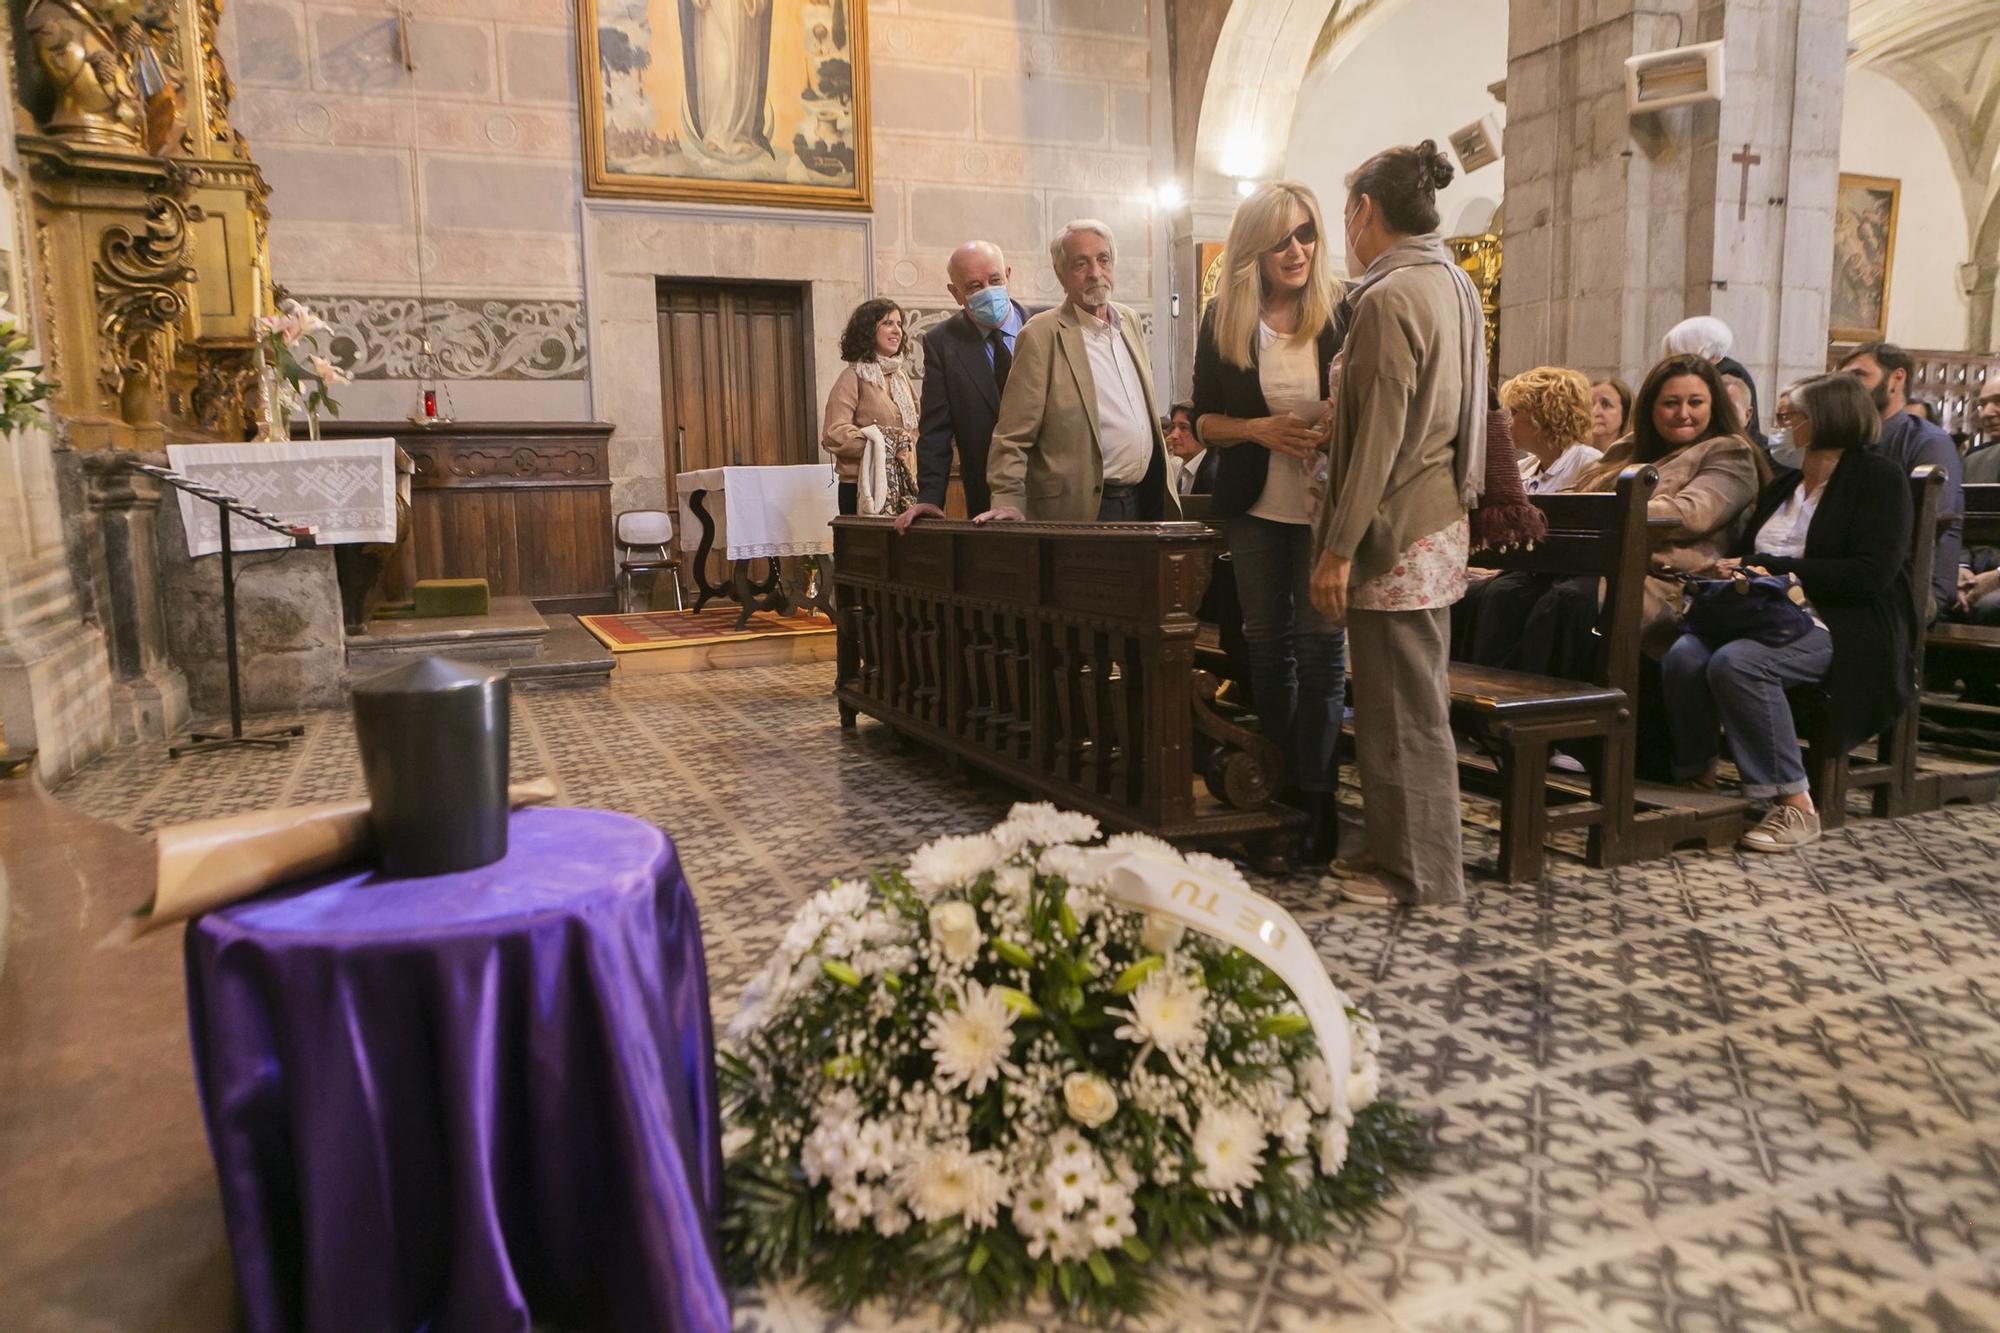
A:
[(966, 362)]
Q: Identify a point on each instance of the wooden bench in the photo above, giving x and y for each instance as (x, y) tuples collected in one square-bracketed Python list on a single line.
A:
[(1958, 656), (1515, 718), (1059, 657)]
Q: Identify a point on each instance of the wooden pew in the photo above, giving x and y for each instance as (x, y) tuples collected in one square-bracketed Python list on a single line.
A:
[(1515, 717), (1954, 656), (1892, 775), (1059, 657)]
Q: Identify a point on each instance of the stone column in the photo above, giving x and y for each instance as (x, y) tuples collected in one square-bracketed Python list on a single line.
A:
[(149, 695), (1979, 279), (1617, 227)]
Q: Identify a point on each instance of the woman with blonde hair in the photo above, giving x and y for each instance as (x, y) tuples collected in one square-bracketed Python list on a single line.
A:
[(1260, 390), (1549, 409)]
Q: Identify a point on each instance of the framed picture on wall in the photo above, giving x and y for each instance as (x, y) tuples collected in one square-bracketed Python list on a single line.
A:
[(1207, 275), (1864, 251), (726, 101)]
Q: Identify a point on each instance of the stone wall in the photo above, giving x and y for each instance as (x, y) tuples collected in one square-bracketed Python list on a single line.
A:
[(994, 118), (481, 141)]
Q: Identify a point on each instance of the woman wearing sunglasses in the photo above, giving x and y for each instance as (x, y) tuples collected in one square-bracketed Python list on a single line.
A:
[(1260, 389)]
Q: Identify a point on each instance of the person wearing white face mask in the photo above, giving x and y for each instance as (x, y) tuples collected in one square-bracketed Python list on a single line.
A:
[(967, 360), (1785, 452)]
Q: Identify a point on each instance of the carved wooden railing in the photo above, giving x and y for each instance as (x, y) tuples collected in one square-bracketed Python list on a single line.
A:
[(1058, 656)]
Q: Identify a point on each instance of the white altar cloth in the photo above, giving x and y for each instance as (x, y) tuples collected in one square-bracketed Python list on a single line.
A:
[(344, 489), (762, 511)]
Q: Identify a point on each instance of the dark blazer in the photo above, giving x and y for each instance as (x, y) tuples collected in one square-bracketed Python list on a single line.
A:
[(1856, 570), (1226, 390), (960, 404)]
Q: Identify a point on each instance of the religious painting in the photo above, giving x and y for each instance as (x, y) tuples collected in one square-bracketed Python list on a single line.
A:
[(1207, 275), (726, 101), (1864, 249)]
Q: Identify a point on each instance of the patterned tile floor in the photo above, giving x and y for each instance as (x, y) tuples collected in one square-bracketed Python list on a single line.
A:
[(1700, 1094)]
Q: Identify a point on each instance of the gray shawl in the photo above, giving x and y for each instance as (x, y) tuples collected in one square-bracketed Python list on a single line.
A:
[(1429, 248)]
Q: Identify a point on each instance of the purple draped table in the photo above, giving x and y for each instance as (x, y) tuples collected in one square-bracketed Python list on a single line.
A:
[(471, 1102)]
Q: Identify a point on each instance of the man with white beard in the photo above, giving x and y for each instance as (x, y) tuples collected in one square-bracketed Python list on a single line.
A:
[(1078, 438)]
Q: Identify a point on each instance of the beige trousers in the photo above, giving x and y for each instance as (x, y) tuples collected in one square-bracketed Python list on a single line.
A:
[(1403, 748)]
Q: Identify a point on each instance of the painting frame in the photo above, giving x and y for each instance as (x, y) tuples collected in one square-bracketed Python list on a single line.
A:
[(1848, 320), (600, 181)]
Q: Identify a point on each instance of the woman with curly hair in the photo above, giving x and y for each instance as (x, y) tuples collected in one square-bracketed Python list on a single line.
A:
[(1550, 410), (871, 414)]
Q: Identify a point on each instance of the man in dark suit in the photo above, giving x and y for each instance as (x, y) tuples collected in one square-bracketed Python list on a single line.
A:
[(1193, 471), (966, 361)]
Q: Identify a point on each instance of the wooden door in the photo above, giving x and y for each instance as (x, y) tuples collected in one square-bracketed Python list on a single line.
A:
[(735, 376)]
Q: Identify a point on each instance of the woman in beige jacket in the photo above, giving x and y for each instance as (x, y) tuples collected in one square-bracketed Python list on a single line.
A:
[(871, 414)]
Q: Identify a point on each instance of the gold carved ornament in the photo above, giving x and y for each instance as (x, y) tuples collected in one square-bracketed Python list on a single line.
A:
[(139, 279)]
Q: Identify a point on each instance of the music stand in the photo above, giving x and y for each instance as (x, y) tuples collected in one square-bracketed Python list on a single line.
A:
[(200, 741)]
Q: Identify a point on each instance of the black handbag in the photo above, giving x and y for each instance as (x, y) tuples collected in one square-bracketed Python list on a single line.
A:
[(1768, 608)]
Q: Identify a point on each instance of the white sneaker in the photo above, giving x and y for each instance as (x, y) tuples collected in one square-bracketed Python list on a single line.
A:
[(1785, 828)]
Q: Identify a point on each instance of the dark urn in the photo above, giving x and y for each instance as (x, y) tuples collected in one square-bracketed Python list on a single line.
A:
[(433, 736)]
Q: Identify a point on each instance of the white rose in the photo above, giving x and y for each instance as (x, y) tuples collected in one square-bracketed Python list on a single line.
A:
[(1089, 1099), (955, 926), (1161, 935), (1362, 1086)]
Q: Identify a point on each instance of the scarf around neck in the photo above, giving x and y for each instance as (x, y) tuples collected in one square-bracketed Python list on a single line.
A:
[(887, 373), (1429, 248)]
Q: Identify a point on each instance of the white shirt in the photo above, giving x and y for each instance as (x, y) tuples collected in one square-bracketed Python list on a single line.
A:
[(1124, 427), (1784, 532), (1288, 373), (1558, 475), (1189, 466)]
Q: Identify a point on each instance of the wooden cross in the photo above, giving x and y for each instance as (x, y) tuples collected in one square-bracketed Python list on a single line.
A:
[(1747, 160)]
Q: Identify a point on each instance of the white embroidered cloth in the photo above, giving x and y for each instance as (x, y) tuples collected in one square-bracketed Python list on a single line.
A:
[(344, 488), (762, 511)]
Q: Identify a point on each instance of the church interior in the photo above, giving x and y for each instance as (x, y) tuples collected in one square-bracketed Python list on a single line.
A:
[(422, 410)]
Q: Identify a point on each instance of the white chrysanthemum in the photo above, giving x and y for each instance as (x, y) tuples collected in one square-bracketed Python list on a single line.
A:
[(850, 1205), (1040, 824), (1166, 1012), (1316, 1084), (1035, 1214), (1228, 1150), (1294, 1127), (953, 863), (1145, 844), (1108, 1221), (971, 1042), (1014, 880), (891, 1218), (1073, 864), (1068, 1145), (827, 1153), (1332, 1147), (950, 1181), (1218, 867)]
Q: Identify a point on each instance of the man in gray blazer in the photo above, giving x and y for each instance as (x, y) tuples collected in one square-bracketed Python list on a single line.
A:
[(1078, 439)]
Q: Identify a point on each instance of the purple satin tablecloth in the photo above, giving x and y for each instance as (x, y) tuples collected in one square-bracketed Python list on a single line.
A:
[(468, 1102)]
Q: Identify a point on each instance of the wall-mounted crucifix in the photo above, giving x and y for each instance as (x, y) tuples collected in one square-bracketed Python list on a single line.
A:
[(1746, 159)]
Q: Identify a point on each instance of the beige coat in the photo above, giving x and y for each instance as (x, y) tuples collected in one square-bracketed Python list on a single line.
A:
[(1046, 460), (852, 405), (1706, 491), (1392, 458)]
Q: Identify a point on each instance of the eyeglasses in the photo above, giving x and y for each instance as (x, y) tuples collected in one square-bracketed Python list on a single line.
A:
[(1788, 418), (1305, 234)]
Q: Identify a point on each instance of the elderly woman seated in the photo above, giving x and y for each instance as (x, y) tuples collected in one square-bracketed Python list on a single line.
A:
[(1841, 526)]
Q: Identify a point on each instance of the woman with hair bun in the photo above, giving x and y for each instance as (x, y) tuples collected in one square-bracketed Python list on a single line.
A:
[(1407, 463)]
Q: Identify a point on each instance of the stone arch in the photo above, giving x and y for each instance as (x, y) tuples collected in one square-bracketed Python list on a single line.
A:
[(1261, 57)]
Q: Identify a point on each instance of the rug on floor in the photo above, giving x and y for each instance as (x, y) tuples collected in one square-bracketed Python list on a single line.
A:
[(646, 630)]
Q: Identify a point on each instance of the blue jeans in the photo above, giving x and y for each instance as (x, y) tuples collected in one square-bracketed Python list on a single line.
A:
[(1739, 690), (1298, 658)]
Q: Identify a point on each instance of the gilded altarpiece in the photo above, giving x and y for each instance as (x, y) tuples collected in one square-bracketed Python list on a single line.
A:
[(149, 220)]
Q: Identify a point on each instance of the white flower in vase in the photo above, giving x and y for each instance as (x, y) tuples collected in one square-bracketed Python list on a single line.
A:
[(971, 1042), (329, 374), (949, 1180), (1089, 1099), (955, 927), (1166, 1013), (1228, 1150), (953, 862)]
